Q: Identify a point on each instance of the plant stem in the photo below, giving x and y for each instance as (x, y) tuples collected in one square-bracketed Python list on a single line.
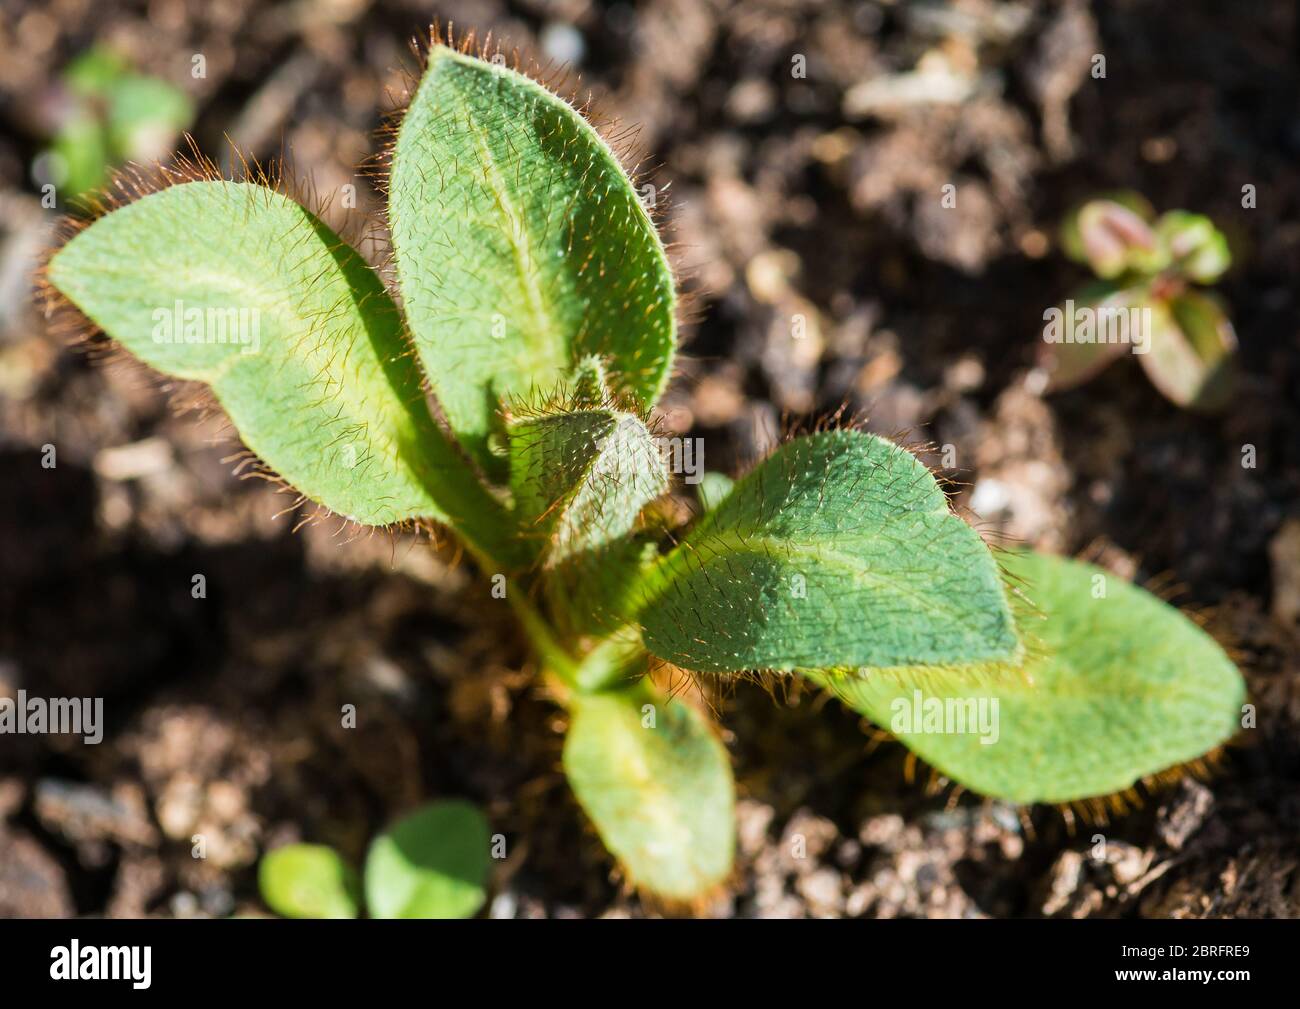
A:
[(554, 656), (615, 660)]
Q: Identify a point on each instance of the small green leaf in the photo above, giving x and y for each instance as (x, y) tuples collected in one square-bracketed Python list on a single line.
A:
[(1192, 357), (144, 116), (95, 72), (430, 864), (114, 115), (236, 286), (1198, 249), (84, 157), (839, 550), (657, 783), (1117, 685), (1072, 241), (521, 246), (308, 881), (1112, 239), (713, 487)]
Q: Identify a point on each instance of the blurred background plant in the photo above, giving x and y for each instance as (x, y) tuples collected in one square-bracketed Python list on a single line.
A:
[(432, 863), (1148, 270), (107, 114)]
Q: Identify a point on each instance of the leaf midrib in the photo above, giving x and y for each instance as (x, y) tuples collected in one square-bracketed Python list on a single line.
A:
[(546, 333)]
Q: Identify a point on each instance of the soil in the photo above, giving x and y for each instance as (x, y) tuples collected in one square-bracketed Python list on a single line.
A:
[(815, 194)]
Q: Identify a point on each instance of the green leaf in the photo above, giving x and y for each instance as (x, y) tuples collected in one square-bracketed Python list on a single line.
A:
[(1192, 356), (1199, 249), (839, 550), (308, 881), (713, 487), (114, 115), (657, 783), (144, 116), (581, 471), (430, 864), (238, 287), (521, 247), (82, 150), (1113, 239), (1072, 241), (1117, 686)]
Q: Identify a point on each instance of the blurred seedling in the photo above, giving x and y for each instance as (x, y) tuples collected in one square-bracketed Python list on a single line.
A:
[(432, 863), (538, 308), (1147, 299), (107, 115)]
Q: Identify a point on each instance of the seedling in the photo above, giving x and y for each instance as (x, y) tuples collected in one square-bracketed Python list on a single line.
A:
[(111, 115), (431, 864), (1145, 301), (538, 307)]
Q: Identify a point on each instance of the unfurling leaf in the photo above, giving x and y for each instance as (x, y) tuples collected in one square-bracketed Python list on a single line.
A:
[(430, 864), (521, 247), (839, 550), (581, 478), (238, 287), (1117, 685), (657, 784), (1192, 360), (308, 881)]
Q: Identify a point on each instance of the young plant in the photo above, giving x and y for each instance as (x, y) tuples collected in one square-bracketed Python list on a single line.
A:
[(537, 305), (432, 863), (1145, 301), (110, 115)]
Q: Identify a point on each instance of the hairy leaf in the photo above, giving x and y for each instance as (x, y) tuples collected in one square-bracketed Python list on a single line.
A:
[(236, 286), (521, 246), (1117, 685), (657, 783), (581, 478), (839, 550), (308, 881), (430, 864)]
